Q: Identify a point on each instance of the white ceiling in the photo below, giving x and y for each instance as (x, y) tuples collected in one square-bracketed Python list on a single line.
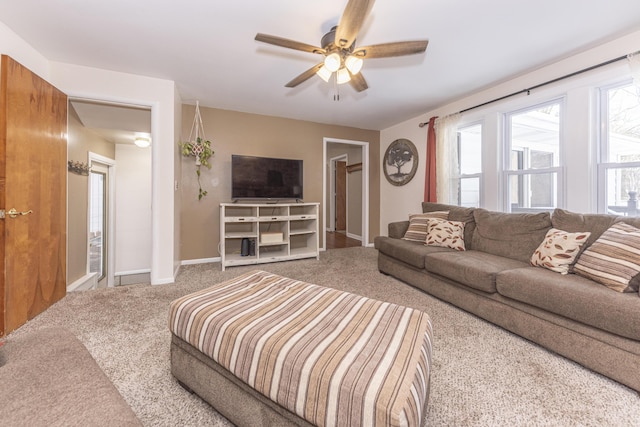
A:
[(208, 47), (115, 123)]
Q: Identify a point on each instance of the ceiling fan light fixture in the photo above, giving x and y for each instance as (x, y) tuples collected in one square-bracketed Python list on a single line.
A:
[(332, 61), (324, 73), (353, 64), (343, 76)]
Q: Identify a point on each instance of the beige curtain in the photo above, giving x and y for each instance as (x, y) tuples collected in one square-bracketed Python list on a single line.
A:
[(430, 194), (447, 158)]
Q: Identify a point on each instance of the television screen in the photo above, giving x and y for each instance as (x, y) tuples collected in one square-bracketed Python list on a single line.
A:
[(265, 178)]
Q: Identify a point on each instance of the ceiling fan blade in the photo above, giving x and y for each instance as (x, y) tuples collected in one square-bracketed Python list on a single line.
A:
[(290, 44), (352, 18), (305, 76), (358, 82), (387, 50)]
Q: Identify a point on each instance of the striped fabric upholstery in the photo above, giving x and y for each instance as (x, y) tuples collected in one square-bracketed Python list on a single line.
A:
[(417, 231), (613, 259), (331, 357)]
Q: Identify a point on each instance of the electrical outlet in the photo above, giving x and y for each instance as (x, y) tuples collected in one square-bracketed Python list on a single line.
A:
[(175, 185)]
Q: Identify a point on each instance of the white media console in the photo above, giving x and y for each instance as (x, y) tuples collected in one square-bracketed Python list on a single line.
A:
[(271, 232)]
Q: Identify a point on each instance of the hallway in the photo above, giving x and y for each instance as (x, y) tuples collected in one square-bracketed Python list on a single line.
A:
[(338, 240)]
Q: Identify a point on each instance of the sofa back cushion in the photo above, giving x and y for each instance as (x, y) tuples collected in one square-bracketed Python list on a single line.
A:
[(631, 220), (596, 224), (511, 235), (456, 213)]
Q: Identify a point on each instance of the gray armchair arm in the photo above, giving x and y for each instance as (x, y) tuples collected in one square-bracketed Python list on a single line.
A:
[(397, 229)]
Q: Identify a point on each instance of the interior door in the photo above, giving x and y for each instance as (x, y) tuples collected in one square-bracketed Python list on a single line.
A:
[(341, 196), (33, 173)]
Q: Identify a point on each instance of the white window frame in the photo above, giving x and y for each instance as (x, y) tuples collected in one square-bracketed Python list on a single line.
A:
[(604, 165), (507, 172), (480, 175)]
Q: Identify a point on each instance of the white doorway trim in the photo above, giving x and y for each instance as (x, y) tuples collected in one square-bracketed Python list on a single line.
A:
[(332, 190), (111, 197), (158, 247), (365, 187)]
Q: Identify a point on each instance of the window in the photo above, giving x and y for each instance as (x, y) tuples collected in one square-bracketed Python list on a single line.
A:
[(469, 165), (619, 167), (533, 164)]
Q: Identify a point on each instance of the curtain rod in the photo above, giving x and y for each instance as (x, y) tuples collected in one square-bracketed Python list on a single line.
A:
[(528, 90)]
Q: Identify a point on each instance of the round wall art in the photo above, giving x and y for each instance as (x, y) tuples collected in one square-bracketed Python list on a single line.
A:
[(400, 162)]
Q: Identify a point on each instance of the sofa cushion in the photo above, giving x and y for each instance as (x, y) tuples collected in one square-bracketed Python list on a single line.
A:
[(445, 233), (412, 253), (472, 268), (456, 213), (613, 259), (417, 231), (512, 235), (573, 222), (573, 297), (558, 250), (631, 220)]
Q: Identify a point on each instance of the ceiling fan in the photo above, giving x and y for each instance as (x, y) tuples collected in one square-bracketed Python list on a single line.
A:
[(341, 56)]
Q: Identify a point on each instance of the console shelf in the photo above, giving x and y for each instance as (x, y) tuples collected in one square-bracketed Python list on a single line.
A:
[(274, 232)]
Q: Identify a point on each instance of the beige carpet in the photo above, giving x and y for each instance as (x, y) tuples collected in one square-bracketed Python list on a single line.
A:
[(482, 375)]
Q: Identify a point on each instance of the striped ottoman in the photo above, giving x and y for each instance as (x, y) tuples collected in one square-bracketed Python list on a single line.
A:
[(268, 350)]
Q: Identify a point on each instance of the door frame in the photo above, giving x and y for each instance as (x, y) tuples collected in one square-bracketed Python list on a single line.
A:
[(364, 145), (332, 190), (111, 232), (158, 216)]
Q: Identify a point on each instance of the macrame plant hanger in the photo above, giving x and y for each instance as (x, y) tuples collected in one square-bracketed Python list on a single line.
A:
[(198, 147)]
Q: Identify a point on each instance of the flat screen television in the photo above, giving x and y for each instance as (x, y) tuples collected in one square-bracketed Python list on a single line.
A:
[(265, 178)]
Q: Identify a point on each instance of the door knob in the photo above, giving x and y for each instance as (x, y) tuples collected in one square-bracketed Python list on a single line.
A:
[(13, 213)]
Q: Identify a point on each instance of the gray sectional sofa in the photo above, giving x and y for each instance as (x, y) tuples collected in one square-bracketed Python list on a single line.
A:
[(493, 278)]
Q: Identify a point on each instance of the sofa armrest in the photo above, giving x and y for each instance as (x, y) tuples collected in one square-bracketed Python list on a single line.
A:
[(397, 229)]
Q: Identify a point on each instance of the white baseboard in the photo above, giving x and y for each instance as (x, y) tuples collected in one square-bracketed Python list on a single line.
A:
[(86, 282), (354, 236), (130, 272), (199, 261)]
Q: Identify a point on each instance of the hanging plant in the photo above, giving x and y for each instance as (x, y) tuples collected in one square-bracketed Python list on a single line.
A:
[(202, 151), (200, 148)]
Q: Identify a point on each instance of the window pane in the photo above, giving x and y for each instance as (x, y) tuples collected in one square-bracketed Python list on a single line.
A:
[(532, 192), (470, 149), (469, 192), (622, 191), (624, 125), (534, 133), (96, 224)]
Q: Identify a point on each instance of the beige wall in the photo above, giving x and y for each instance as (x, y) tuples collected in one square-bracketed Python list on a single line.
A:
[(250, 134), (80, 142)]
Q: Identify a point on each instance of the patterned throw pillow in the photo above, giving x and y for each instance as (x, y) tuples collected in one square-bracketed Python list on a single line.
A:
[(613, 259), (417, 231), (444, 233), (558, 250)]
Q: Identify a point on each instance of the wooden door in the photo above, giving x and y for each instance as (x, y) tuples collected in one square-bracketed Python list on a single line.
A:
[(341, 196), (33, 179)]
